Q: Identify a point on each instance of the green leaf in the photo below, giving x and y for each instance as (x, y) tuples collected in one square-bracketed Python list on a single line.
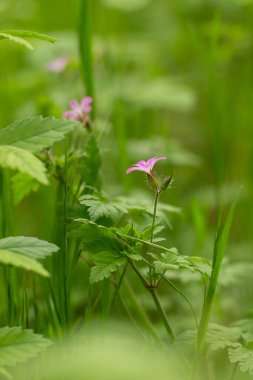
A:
[(243, 356), (18, 345), (29, 246), (219, 251), (19, 36), (36, 133), (96, 238), (173, 261), (219, 336), (99, 207), (106, 263), (19, 159), (23, 185), (29, 34), (18, 40), (25, 262), (23, 252)]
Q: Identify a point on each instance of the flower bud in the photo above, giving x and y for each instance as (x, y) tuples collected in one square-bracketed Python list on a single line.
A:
[(166, 183)]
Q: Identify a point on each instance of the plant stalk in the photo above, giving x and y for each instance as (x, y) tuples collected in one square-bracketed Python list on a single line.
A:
[(85, 48)]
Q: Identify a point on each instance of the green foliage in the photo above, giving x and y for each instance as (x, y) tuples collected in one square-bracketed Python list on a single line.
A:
[(20, 261), (95, 238), (220, 337), (19, 36), (243, 356), (19, 159), (18, 345), (23, 252), (36, 133), (219, 251), (89, 162), (100, 206), (170, 261), (29, 246), (23, 185), (106, 263)]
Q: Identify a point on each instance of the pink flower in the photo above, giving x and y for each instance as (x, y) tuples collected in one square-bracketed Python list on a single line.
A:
[(58, 65), (79, 111), (145, 166)]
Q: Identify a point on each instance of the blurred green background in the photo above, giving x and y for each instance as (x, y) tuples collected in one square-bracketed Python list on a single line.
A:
[(172, 78)]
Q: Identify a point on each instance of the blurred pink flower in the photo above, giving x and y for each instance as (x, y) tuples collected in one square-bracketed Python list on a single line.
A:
[(58, 65), (79, 111), (145, 166)]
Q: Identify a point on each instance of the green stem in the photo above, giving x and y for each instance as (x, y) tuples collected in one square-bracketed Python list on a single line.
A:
[(151, 270), (154, 216), (5, 230), (118, 285), (85, 46), (65, 239), (162, 314), (156, 301), (183, 295)]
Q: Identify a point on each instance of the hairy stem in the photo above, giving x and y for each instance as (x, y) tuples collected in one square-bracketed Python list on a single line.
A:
[(154, 216)]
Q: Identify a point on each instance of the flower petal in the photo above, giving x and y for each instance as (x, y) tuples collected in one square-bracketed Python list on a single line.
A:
[(86, 108), (151, 162), (86, 100), (74, 105), (85, 104), (71, 115), (145, 166), (133, 169)]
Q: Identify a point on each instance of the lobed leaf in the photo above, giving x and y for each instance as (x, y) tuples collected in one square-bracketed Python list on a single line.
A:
[(99, 207), (243, 356), (106, 263), (219, 336)]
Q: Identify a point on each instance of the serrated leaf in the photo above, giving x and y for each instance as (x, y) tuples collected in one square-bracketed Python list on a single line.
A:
[(22, 186), (19, 159), (99, 207), (134, 257), (96, 238), (20, 261), (242, 356), (169, 261), (18, 345), (29, 246), (106, 263), (36, 133), (219, 336)]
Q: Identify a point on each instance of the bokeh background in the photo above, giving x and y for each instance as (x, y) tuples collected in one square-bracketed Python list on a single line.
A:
[(172, 78)]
